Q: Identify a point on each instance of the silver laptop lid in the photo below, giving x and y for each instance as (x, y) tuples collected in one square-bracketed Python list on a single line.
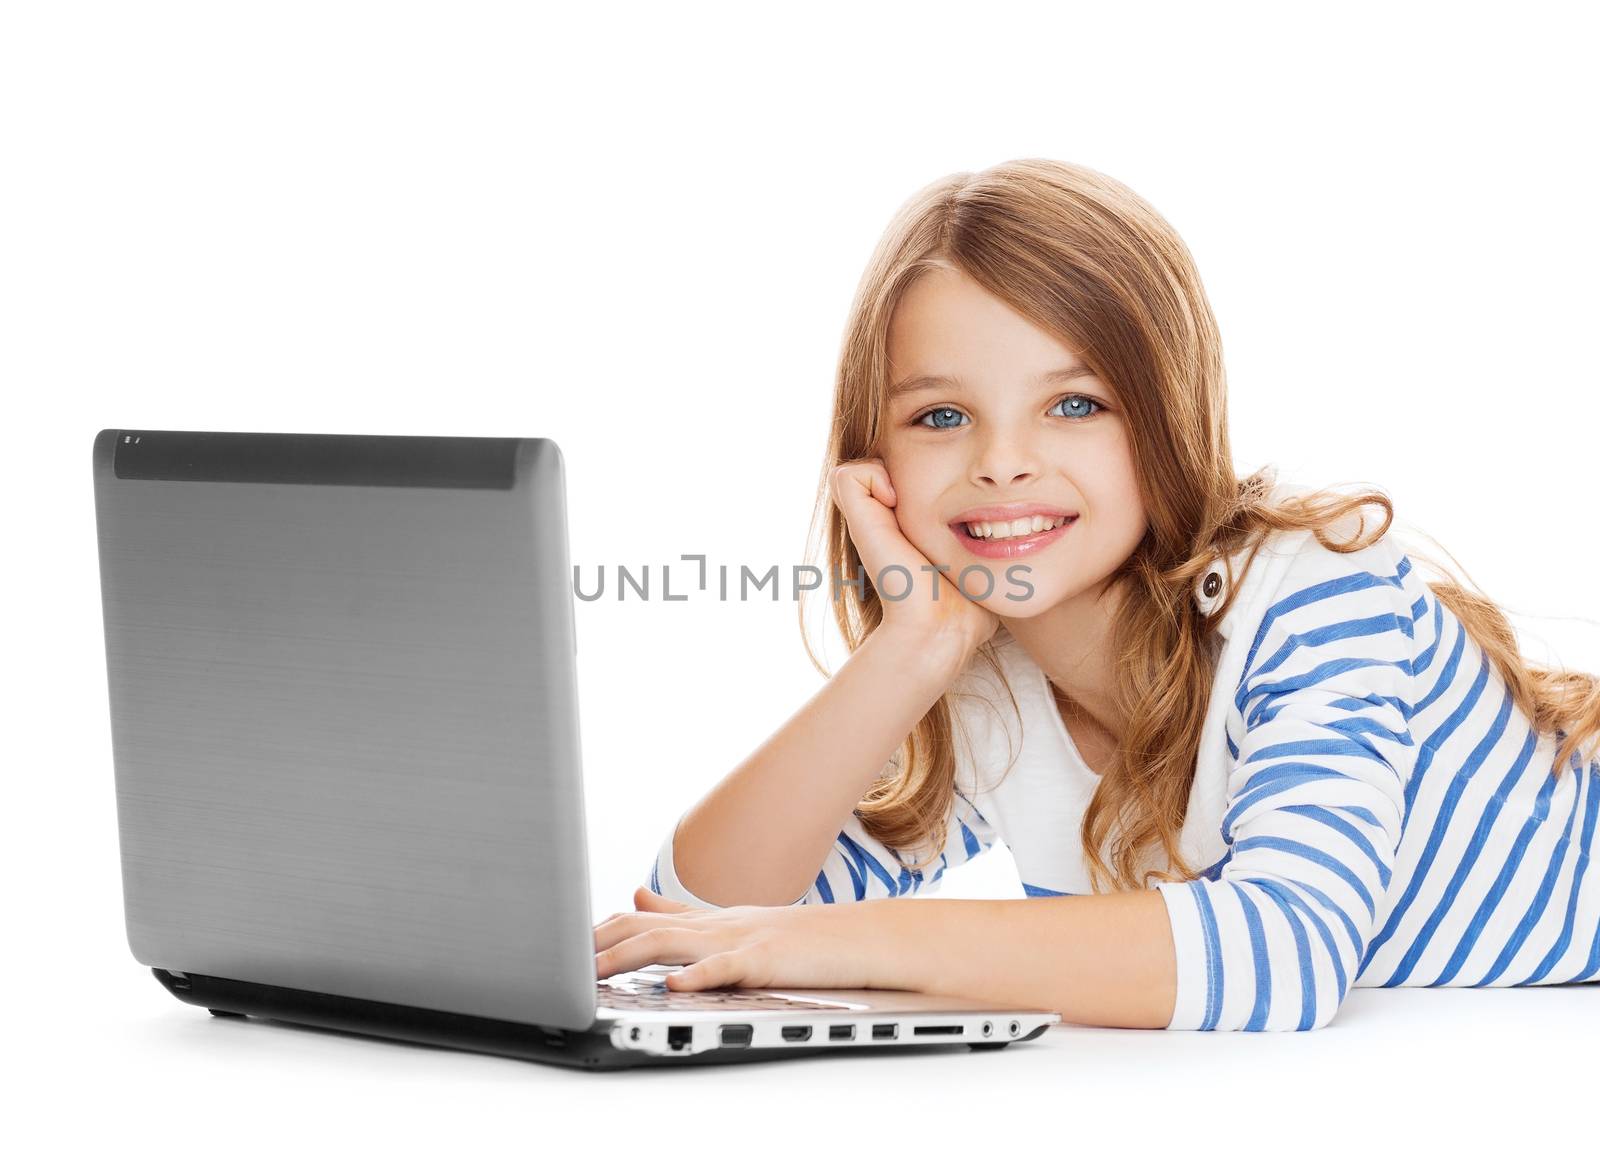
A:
[(344, 716)]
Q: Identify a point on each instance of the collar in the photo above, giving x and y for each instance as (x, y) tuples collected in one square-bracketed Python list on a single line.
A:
[(1227, 570), (1266, 572)]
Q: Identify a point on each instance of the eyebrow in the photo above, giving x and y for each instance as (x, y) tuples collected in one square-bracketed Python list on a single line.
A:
[(932, 381)]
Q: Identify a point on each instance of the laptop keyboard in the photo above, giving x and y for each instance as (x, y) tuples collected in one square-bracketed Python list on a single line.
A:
[(651, 995)]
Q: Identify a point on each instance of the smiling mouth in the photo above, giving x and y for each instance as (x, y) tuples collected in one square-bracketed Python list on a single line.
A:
[(1016, 528)]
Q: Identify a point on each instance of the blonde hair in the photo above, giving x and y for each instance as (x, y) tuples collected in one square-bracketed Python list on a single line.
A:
[(1085, 258)]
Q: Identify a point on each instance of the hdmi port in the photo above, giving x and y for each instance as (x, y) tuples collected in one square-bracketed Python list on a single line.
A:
[(797, 1032), (936, 1030)]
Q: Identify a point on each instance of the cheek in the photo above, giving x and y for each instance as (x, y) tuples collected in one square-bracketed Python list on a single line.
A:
[(920, 519), (1112, 487), (922, 481), (914, 491), (921, 466)]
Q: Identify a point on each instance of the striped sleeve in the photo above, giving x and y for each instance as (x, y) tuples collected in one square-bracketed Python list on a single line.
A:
[(858, 866), (1315, 800)]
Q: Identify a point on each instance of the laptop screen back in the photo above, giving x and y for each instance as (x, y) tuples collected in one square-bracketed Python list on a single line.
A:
[(344, 716)]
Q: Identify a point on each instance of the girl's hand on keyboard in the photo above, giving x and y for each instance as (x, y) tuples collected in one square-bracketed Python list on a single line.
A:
[(746, 946)]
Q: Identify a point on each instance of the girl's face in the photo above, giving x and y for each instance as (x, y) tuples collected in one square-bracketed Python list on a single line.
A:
[(985, 411)]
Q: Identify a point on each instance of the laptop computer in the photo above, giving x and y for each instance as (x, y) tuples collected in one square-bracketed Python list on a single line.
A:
[(344, 724)]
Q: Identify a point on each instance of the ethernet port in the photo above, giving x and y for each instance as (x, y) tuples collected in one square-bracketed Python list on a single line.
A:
[(679, 1037)]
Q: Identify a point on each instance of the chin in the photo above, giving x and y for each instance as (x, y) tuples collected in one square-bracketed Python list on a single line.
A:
[(1039, 599), (1047, 593), (1047, 590), (1035, 605)]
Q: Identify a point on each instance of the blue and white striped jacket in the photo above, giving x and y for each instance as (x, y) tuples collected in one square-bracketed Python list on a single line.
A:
[(1373, 808)]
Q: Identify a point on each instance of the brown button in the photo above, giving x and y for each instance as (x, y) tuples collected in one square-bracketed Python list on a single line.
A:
[(1212, 585)]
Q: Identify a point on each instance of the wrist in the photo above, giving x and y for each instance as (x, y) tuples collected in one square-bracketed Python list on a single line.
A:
[(933, 657), (884, 934)]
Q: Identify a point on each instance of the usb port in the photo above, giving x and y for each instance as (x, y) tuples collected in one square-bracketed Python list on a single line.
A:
[(735, 1036), (936, 1030), (885, 1031), (797, 1032), (841, 1032)]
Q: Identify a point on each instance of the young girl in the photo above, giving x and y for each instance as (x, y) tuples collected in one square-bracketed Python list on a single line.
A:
[(1244, 756)]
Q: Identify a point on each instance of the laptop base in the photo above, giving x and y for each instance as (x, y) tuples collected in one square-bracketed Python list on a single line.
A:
[(575, 1049)]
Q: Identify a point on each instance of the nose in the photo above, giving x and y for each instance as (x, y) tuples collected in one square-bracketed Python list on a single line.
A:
[(1004, 460)]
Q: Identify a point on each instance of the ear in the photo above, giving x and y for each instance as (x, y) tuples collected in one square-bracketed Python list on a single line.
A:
[(647, 901)]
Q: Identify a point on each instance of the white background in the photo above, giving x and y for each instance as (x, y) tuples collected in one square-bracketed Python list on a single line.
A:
[(636, 230)]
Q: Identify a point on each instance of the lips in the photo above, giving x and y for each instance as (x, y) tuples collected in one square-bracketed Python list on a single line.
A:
[(1011, 547), (1008, 511)]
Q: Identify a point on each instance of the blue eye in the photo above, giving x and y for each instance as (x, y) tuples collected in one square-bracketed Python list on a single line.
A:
[(941, 411), (1086, 401), (947, 417)]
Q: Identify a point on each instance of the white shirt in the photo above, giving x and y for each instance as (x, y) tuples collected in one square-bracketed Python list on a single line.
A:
[(1369, 806)]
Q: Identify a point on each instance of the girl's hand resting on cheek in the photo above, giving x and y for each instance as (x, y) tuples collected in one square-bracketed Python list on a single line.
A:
[(935, 610)]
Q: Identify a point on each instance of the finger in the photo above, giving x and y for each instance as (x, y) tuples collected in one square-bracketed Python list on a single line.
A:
[(631, 919), (867, 478), (878, 483), (660, 945), (646, 900), (716, 971), (627, 924)]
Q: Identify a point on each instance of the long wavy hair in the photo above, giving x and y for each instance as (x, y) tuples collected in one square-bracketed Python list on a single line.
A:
[(1085, 258)]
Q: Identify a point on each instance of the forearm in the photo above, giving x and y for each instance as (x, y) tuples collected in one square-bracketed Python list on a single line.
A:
[(1097, 959), (760, 834)]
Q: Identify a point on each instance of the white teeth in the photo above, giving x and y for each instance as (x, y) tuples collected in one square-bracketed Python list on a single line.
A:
[(1016, 528)]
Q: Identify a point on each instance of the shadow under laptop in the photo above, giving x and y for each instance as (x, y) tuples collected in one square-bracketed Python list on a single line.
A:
[(608, 1057)]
